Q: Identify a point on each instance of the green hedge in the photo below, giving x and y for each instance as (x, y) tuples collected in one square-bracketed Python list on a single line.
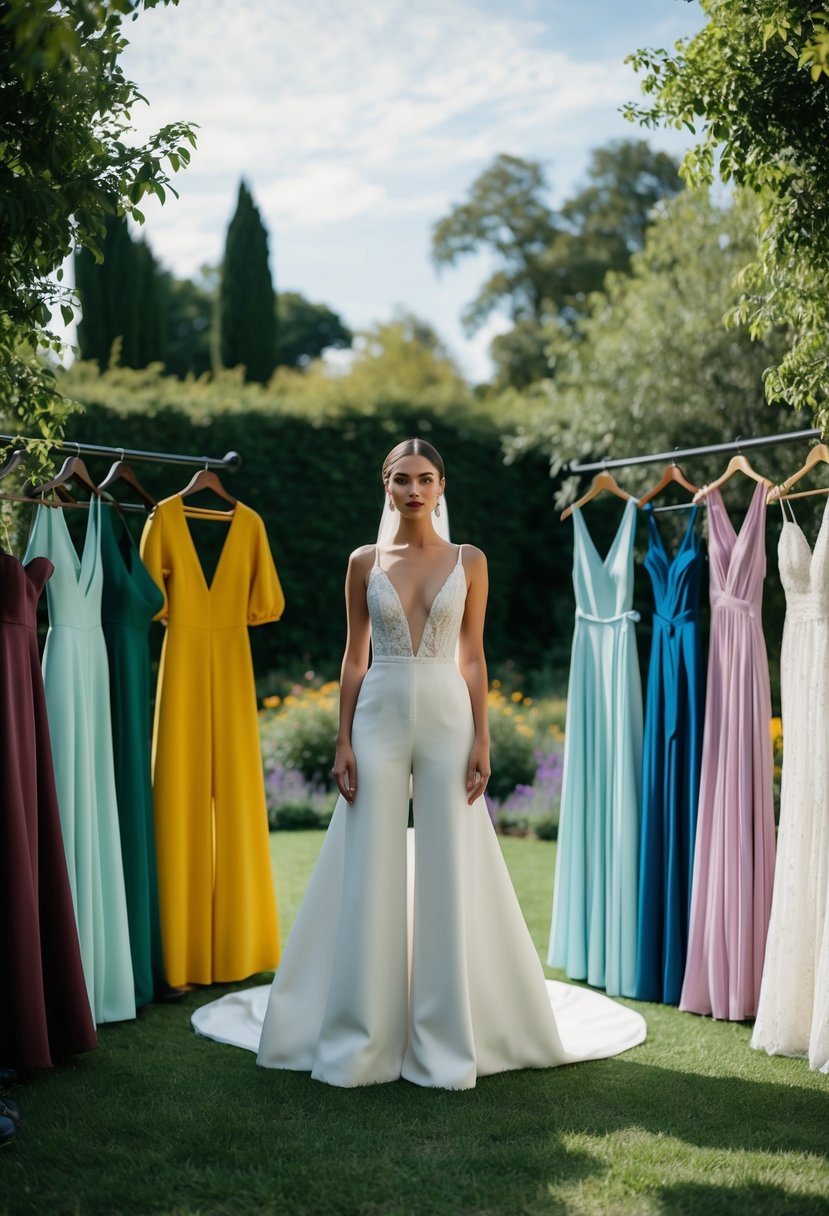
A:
[(316, 482)]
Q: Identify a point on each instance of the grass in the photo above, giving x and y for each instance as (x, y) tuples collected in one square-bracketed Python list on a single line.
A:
[(159, 1121)]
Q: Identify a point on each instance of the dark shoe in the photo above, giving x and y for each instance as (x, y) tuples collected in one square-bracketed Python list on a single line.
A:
[(172, 994), (7, 1131), (9, 1110)]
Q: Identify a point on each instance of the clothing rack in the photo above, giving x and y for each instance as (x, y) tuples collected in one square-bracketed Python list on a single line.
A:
[(230, 460), (735, 445)]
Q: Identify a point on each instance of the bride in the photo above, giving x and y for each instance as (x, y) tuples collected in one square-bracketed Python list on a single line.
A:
[(404, 961)]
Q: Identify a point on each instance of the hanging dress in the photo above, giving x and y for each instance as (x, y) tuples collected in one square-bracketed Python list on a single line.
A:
[(734, 852), (130, 601), (218, 909), (405, 961), (793, 1014), (593, 931), (76, 678), (671, 764), (44, 1009)]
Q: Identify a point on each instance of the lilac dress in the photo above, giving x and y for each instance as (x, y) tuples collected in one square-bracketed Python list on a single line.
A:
[(734, 857)]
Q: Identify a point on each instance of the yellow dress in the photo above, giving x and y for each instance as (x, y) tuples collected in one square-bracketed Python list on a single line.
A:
[(217, 902)]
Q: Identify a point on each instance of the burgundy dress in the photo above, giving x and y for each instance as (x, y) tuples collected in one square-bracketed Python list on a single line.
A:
[(44, 1009)]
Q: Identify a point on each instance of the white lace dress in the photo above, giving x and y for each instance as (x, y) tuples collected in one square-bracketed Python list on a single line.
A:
[(793, 1012)]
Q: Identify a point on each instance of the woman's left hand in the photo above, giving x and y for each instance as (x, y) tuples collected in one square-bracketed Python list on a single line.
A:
[(477, 772)]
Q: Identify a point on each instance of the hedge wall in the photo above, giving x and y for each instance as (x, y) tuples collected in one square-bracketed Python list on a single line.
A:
[(317, 485)]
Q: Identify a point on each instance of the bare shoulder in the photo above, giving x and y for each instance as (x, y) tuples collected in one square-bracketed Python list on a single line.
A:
[(361, 561), (473, 559)]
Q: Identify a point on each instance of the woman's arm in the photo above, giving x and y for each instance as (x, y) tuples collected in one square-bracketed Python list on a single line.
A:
[(354, 665), (473, 668)]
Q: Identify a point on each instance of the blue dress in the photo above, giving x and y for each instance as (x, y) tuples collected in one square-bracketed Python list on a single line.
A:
[(593, 931), (671, 764)]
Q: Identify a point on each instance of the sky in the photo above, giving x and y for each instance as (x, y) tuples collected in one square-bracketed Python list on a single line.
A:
[(358, 125)]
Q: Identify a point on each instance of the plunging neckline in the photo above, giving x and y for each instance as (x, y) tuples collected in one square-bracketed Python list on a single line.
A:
[(737, 533), (233, 517), (82, 582), (683, 544), (603, 561), (458, 565)]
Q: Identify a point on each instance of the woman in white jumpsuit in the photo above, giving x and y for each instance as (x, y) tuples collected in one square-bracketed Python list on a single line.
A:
[(414, 962)]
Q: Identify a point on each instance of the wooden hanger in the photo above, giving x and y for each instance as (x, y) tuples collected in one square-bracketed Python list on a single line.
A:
[(817, 455), (206, 479), (602, 481), (672, 473), (121, 471), (737, 464), (72, 469), (14, 462)]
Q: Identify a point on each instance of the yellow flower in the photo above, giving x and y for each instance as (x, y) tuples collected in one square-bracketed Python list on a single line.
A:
[(272, 702), (776, 727), (527, 701), (517, 696), (496, 684)]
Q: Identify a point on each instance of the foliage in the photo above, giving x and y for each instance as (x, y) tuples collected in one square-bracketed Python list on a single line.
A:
[(755, 81), (305, 330), (190, 310), (653, 367), (300, 734), (247, 308), (122, 299), (548, 263), (67, 164)]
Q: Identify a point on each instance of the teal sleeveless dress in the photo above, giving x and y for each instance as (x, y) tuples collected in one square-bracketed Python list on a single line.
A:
[(593, 930)]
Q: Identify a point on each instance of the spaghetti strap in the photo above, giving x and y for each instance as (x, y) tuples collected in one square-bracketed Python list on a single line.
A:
[(460, 552), (377, 556)]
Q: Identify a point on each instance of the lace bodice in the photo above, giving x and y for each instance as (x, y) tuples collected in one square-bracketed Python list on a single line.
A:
[(805, 573), (390, 634)]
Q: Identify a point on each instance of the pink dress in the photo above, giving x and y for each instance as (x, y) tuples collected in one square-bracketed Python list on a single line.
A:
[(734, 854)]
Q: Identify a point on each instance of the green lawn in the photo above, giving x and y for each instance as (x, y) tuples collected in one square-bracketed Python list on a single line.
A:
[(159, 1121)]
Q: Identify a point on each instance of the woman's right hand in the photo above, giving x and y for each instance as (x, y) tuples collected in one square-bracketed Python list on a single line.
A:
[(345, 772)]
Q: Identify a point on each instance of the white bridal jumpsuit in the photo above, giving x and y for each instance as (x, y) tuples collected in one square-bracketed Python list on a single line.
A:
[(414, 962)]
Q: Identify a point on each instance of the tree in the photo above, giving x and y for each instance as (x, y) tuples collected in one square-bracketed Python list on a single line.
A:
[(190, 310), (305, 330), (247, 313), (122, 298), (67, 164), (652, 366), (754, 80), (548, 263)]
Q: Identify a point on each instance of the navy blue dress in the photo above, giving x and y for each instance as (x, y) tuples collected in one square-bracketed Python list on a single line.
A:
[(671, 764)]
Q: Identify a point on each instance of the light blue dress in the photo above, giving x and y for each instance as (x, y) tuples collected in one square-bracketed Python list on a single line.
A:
[(76, 678), (593, 931)]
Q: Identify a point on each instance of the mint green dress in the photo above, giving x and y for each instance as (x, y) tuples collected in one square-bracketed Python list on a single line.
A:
[(76, 679), (594, 924)]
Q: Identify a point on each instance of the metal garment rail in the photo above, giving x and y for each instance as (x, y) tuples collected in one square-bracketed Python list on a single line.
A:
[(736, 445), (230, 460)]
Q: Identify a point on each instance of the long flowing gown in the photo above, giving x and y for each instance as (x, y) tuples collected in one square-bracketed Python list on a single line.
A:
[(414, 962), (218, 908), (671, 764), (734, 851), (130, 601), (793, 1013), (593, 930), (44, 1010), (76, 678)]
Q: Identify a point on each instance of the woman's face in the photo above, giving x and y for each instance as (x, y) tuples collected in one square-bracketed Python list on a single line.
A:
[(414, 486)]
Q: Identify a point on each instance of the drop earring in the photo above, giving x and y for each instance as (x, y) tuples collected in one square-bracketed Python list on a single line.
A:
[(391, 504), (437, 507)]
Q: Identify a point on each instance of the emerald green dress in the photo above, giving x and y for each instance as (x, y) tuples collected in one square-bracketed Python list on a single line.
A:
[(130, 601)]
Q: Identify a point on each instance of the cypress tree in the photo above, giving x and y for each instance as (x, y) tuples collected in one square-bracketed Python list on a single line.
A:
[(122, 298), (247, 317)]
